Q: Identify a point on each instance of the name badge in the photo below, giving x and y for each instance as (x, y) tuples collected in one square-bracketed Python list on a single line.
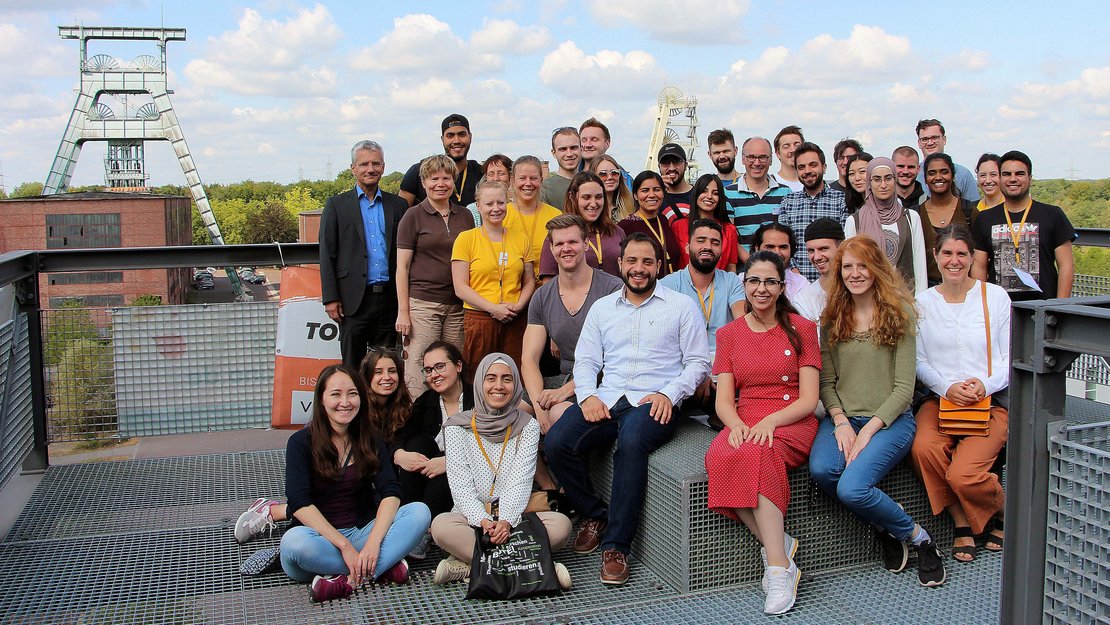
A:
[(503, 259)]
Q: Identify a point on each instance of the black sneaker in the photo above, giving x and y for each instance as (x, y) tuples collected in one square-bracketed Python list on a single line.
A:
[(930, 567), (895, 552)]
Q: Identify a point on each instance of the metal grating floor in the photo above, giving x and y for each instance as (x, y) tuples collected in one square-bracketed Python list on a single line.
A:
[(150, 542)]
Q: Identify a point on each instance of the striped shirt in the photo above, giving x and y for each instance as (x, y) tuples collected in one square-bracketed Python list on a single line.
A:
[(749, 210)]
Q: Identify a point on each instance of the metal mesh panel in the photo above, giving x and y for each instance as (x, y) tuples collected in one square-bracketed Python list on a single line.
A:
[(694, 548), (150, 370), (1077, 556), (1090, 369), (16, 425), (1090, 286)]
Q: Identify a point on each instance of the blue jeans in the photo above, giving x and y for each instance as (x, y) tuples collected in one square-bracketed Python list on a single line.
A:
[(637, 434), (854, 485), (306, 554)]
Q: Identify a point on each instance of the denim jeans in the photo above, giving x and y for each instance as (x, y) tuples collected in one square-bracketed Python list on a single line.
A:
[(637, 434), (854, 485), (306, 554)]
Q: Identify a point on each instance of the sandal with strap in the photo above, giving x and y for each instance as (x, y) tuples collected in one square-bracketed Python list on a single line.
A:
[(964, 553), (994, 542)]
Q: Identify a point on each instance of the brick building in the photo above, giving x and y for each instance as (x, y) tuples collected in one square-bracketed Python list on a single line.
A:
[(101, 219)]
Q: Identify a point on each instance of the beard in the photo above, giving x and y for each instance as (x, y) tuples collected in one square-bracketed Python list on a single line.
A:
[(704, 266), (639, 290), (727, 167)]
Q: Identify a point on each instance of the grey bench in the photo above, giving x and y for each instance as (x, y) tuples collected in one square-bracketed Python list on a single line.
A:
[(693, 548)]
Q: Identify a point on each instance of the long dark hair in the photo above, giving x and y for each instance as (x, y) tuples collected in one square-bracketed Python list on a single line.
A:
[(720, 212), (941, 156), (325, 458), (853, 199), (783, 307), (604, 223), (387, 414), (639, 181)]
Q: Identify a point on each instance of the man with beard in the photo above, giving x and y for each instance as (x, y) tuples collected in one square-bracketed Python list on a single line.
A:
[(931, 138), (722, 153), (786, 145), (822, 236), (456, 137), (672, 167), (566, 147), (910, 192), (1022, 245), (557, 311), (842, 151), (814, 201), (754, 198), (649, 345), (719, 295)]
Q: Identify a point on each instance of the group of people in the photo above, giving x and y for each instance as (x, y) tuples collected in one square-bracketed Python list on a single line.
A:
[(539, 319)]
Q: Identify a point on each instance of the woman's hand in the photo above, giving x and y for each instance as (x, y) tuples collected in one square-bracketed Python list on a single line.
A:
[(368, 559), (862, 438), (404, 322), (409, 460), (498, 531), (845, 437), (503, 313), (961, 394), (351, 559), (737, 435), (762, 432), (434, 466)]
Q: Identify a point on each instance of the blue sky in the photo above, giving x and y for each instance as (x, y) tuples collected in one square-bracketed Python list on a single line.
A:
[(268, 90)]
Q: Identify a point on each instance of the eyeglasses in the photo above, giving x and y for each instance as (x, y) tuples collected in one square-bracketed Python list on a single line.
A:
[(758, 158), (608, 173), (931, 139), (769, 283), (882, 179), (439, 367), (563, 129)]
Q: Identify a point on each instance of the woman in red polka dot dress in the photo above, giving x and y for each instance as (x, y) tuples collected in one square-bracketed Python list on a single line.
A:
[(772, 357)]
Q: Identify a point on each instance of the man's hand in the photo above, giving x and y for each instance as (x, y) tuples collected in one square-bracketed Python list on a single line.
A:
[(660, 407), (594, 410), (334, 310), (704, 389)]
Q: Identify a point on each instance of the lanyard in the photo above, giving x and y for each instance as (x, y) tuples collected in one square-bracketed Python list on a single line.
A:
[(659, 236), (532, 228), (496, 469), (462, 185), (1014, 235), (596, 248), (499, 261), (706, 309)]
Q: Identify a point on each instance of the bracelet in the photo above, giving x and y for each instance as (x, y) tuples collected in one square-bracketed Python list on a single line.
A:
[(840, 425)]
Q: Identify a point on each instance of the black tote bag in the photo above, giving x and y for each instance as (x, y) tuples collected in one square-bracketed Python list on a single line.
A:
[(520, 567)]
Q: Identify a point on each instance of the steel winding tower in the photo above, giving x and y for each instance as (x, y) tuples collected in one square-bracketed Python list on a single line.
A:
[(94, 120), (676, 121)]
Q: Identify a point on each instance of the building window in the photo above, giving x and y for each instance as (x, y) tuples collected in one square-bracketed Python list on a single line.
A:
[(82, 230), (86, 277), (88, 301)]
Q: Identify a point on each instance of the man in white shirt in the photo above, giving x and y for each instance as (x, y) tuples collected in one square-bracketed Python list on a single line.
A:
[(649, 345), (822, 237)]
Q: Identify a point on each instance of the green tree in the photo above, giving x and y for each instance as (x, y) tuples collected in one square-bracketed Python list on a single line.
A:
[(147, 299), (300, 199), (27, 189), (84, 397), (64, 325), (391, 183), (269, 223)]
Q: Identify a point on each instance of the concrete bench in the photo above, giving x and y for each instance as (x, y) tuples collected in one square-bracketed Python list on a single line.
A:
[(693, 548)]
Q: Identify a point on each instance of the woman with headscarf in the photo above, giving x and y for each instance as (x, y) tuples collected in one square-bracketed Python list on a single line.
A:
[(491, 455), (896, 229)]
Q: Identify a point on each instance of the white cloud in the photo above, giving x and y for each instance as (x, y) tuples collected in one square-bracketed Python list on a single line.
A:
[(508, 37), (421, 43), (567, 70), (270, 57), (869, 55), (693, 22), (434, 93)]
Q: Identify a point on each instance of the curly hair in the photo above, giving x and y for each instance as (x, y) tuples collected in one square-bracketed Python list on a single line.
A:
[(387, 414), (893, 302)]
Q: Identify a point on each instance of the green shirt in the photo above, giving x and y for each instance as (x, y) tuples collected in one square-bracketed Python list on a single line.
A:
[(864, 379)]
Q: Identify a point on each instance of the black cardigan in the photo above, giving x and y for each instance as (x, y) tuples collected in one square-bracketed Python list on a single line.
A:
[(426, 418), (301, 490)]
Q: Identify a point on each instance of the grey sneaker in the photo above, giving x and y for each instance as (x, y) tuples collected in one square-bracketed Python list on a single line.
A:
[(563, 574), (451, 569), (420, 551), (255, 520), (782, 588), (791, 545)]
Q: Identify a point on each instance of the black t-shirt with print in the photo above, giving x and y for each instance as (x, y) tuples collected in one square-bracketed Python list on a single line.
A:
[(1046, 228)]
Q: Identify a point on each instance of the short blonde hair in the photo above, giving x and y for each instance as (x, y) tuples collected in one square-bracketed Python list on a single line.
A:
[(438, 163)]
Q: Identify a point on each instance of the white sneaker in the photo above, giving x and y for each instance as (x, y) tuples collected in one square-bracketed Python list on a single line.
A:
[(563, 575), (789, 543), (255, 520), (782, 588), (451, 569)]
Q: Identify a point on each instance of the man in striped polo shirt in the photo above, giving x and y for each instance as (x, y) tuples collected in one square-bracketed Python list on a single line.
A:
[(754, 197)]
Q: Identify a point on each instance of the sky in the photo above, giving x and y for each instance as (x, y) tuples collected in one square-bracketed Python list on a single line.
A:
[(280, 90)]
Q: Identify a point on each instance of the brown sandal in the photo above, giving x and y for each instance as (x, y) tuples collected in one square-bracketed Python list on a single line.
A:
[(968, 551)]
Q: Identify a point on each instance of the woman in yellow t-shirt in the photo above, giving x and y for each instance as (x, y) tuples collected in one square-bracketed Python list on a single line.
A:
[(492, 271), (526, 213)]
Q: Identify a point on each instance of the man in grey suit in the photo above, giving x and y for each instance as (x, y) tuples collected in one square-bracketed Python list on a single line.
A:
[(358, 256)]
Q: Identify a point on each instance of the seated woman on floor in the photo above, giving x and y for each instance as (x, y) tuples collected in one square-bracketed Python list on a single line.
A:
[(491, 453), (964, 357), (335, 480)]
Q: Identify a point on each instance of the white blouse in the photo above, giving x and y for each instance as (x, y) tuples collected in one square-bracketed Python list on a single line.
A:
[(951, 339), (470, 476)]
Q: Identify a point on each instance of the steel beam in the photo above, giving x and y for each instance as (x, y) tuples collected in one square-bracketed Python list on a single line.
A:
[(116, 259)]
